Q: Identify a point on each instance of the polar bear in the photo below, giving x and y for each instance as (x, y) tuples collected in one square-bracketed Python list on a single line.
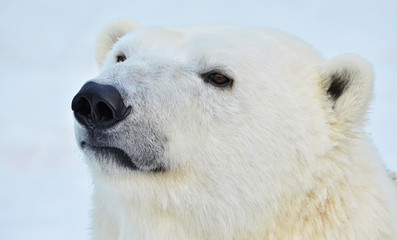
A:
[(226, 132)]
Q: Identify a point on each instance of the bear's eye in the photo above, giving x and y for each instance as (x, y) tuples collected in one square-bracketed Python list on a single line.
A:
[(217, 79), (121, 58)]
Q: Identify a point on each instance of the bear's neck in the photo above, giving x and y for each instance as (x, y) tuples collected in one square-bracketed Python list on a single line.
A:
[(338, 203)]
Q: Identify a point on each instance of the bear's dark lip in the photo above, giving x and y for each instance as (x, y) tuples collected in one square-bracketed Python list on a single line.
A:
[(118, 155)]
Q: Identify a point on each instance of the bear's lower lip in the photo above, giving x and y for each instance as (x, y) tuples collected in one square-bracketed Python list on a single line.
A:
[(116, 154)]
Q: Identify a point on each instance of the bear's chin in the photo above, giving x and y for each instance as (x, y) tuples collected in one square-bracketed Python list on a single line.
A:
[(116, 155)]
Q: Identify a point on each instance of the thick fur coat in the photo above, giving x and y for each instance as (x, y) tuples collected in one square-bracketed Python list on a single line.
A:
[(277, 152)]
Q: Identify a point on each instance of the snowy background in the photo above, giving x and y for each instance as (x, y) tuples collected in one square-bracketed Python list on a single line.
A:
[(47, 53)]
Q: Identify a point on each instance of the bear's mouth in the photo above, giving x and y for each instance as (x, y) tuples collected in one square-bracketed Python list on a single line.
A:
[(118, 156), (114, 153)]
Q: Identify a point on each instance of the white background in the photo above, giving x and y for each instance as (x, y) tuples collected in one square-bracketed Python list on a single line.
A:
[(47, 53)]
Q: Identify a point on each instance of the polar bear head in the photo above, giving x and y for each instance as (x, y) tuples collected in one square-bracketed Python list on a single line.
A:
[(216, 127)]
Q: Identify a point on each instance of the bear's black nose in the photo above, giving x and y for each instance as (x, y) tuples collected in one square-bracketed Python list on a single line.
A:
[(99, 106)]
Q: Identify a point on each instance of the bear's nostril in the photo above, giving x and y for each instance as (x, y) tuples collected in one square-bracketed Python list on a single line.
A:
[(104, 112), (99, 106), (82, 107)]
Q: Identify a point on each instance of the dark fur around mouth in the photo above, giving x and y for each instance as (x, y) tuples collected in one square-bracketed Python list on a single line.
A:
[(117, 155)]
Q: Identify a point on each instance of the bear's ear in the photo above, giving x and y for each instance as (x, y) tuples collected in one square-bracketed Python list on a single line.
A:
[(109, 36), (348, 82)]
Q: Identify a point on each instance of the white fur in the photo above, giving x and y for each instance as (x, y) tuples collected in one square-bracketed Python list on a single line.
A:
[(274, 157), (111, 34)]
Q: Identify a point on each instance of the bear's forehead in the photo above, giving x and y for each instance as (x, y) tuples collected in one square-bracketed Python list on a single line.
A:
[(215, 46), (211, 38)]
